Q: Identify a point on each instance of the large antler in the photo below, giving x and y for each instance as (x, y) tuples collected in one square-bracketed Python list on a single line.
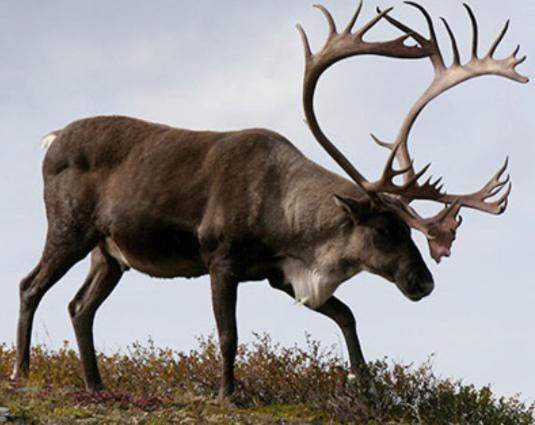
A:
[(448, 77), (440, 229), (348, 43), (341, 45), (443, 225)]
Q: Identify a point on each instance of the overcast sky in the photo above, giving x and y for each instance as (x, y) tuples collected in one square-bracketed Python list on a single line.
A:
[(237, 64)]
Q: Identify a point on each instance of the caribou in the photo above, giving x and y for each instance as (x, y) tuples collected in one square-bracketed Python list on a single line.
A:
[(248, 205)]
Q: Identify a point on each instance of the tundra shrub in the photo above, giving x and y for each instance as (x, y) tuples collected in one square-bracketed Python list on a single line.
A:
[(309, 384)]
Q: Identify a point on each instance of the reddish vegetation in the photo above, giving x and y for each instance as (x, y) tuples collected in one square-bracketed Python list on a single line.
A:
[(305, 385)]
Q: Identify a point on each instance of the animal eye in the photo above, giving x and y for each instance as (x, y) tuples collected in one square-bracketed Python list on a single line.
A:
[(383, 231)]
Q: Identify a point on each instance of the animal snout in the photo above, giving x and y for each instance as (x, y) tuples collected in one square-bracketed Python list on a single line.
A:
[(421, 285)]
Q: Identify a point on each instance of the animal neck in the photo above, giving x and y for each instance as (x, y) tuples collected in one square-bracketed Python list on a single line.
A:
[(315, 271)]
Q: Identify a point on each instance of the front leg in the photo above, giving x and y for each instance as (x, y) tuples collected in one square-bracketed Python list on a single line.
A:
[(224, 296), (343, 317)]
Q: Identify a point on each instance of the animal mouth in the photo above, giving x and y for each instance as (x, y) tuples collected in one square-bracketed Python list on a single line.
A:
[(419, 292), (425, 290), (418, 296)]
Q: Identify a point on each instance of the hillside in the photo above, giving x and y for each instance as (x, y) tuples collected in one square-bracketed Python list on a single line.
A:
[(149, 385)]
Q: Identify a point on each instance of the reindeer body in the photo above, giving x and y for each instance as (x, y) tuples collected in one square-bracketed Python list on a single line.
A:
[(159, 199), (242, 205), (247, 205)]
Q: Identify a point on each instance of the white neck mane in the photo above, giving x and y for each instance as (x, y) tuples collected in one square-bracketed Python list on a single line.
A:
[(312, 287)]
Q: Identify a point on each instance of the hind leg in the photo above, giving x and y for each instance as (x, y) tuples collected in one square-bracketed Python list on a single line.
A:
[(103, 277), (57, 259)]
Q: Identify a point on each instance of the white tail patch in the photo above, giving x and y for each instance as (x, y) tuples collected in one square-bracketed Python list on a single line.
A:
[(48, 140)]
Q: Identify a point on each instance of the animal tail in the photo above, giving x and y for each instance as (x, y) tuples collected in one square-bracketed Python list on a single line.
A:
[(47, 140)]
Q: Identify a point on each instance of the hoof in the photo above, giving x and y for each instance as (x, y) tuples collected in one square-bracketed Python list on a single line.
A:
[(95, 387), (373, 393), (368, 386), (226, 398), (18, 375)]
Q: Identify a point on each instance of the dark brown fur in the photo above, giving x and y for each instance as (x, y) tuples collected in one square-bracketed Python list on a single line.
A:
[(243, 205)]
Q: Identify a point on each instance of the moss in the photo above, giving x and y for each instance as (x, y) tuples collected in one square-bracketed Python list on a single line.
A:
[(295, 412), (72, 412)]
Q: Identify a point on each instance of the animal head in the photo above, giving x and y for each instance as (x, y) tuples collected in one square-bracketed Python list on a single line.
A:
[(384, 218), (381, 243)]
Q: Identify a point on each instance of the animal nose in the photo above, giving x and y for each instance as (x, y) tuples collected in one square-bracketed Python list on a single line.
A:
[(422, 284), (426, 287)]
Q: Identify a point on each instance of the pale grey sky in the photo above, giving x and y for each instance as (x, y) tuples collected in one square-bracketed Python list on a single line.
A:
[(237, 64)]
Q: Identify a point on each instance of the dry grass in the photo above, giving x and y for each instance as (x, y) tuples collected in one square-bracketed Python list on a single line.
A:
[(150, 385)]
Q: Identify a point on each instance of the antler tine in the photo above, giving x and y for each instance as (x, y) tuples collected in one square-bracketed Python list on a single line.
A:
[(478, 200), (499, 188), (368, 26), (499, 39), (410, 189), (413, 180), (431, 44), (406, 29), (353, 19), (504, 200), (330, 20), (519, 61), (515, 62), (454, 47), (306, 43), (386, 184), (428, 190), (475, 31), (450, 210), (436, 58), (381, 143)]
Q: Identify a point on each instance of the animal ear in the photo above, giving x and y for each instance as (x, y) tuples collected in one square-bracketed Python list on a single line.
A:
[(359, 211)]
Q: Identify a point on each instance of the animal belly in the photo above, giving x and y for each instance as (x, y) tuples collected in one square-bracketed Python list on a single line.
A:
[(157, 263)]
